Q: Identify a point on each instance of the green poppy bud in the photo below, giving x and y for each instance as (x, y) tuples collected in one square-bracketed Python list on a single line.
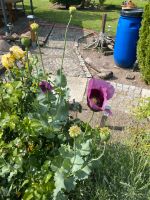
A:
[(25, 41)]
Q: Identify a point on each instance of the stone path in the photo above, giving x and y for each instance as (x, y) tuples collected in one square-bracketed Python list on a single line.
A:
[(74, 65)]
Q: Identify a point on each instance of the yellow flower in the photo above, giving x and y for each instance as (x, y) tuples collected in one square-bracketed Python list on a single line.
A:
[(30, 148), (104, 134), (17, 52), (74, 131), (8, 60), (72, 10), (34, 26)]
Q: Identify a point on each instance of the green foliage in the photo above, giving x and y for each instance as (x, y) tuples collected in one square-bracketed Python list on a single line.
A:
[(141, 130), (143, 110), (143, 49), (39, 158), (67, 3)]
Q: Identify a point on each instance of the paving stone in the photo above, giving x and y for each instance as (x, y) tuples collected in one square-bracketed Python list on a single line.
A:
[(132, 87), (119, 87), (125, 87), (76, 91), (138, 91), (145, 93)]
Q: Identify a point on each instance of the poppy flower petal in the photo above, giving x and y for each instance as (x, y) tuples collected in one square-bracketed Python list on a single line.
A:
[(98, 93)]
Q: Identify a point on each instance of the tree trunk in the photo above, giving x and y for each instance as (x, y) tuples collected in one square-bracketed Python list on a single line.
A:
[(82, 4), (67, 5)]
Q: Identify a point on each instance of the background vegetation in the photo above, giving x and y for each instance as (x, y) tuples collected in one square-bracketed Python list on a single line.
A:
[(87, 18)]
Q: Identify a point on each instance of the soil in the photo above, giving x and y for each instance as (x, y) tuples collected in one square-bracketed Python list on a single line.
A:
[(101, 62)]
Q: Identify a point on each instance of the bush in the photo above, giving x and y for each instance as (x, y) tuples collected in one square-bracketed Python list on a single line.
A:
[(101, 2), (143, 49), (67, 3)]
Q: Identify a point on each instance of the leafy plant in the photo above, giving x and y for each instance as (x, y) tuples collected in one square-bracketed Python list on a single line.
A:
[(44, 152)]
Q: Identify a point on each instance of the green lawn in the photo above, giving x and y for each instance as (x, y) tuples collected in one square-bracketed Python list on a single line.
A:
[(86, 19)]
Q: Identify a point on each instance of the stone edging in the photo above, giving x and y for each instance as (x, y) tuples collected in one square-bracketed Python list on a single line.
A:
[(81, 59), (132, 90)]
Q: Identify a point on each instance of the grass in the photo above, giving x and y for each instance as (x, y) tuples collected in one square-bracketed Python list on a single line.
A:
[(122, 175), (83, 18)]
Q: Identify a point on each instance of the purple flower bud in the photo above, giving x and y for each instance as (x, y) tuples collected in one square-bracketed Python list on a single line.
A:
[(98, 93), (45, 86)]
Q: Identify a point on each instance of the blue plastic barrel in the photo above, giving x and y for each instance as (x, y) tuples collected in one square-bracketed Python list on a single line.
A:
[(126, 37)]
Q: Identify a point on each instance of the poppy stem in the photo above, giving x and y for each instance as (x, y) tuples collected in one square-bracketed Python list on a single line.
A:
[(88, 124), (64, 49), (29, 72), (40, 52), (96, 159), (74, 154)]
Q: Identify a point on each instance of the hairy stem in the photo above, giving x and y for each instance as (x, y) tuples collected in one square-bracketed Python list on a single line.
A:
[(40, 52), (64, 49)]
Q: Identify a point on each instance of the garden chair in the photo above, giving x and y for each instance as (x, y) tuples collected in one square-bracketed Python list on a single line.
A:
[(19, 1)]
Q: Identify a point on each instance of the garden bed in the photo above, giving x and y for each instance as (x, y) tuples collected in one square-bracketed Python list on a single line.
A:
[(97, 62)]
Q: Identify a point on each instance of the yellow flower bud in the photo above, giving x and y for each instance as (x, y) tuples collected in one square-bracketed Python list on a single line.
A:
[(8, 60), (34, 26), (72, 10), (17, 52), (74, 131)]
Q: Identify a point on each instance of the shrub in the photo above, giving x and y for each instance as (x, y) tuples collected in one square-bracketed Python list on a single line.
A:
[(101, 2), (67, 3), (143, 49)]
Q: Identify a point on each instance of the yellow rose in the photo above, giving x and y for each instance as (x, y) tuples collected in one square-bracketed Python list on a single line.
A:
[(72, 10), (8, 60), (34, 26), (74, 131), (17, 52)]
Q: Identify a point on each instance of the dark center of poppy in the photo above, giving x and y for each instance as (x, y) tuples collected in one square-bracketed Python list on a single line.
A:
[(97, 97)]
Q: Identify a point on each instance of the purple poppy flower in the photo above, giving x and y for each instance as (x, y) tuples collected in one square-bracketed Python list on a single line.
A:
[(45, 86), (98, 93)]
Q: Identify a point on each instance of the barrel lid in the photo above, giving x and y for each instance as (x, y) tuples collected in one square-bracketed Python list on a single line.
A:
[(132, 12)]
